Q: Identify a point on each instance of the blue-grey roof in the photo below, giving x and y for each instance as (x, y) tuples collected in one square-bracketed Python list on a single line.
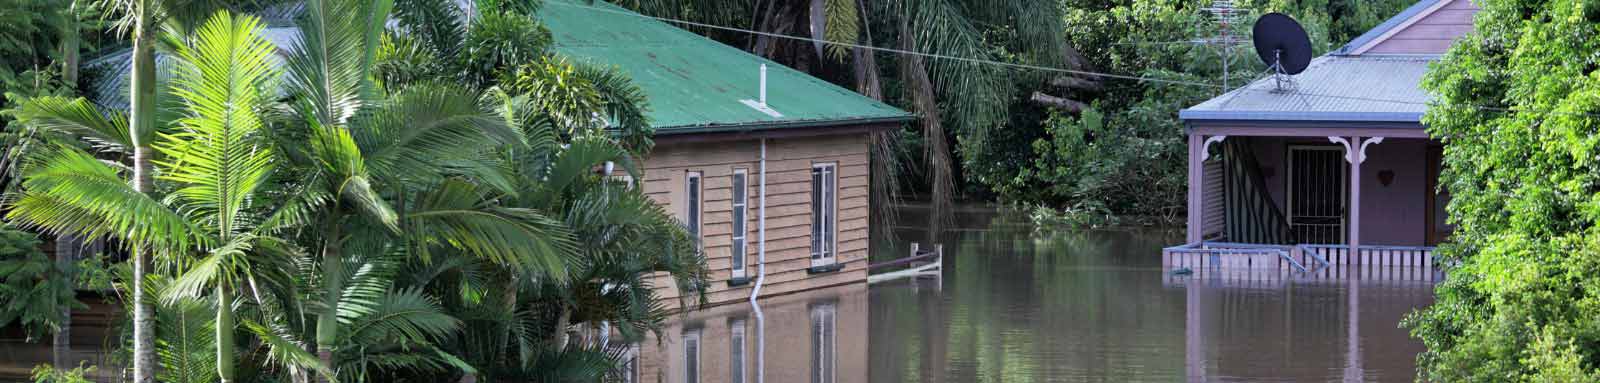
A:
[(1387, 25), (1334, 89)]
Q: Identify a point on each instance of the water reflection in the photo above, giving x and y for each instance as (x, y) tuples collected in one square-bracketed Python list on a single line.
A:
[(1023, 306), (818, 336)]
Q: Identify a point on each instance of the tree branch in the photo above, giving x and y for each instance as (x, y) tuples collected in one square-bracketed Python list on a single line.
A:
[(1057, 102)]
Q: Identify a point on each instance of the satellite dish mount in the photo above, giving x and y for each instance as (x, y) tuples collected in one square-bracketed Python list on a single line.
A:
[(1283, 46)]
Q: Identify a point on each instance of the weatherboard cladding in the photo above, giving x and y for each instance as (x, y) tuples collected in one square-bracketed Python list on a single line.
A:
[(1384, 27), (695, 84), (1333, 88)]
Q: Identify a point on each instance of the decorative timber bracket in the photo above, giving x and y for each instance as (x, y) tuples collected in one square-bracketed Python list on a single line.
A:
[(1205, 148), (1355, 155)]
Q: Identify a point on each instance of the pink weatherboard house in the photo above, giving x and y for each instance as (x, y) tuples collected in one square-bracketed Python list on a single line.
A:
[(1291, 178)]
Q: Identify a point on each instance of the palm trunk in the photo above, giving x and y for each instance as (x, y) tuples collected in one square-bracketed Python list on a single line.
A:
[(560, 338), (225, 333), (938, 151), (61, 347), (142, 122), (332, 280)]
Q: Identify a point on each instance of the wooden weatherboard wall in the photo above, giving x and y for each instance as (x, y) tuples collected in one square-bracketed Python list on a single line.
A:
[(789, 220), (1430, 32)]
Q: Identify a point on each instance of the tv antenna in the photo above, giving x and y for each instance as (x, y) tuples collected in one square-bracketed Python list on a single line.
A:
[(1225, 16), (1283, 46)]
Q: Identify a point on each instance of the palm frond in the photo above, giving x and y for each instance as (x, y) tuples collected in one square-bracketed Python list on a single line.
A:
[(455, 214), (107, 130), (327, 72), (285, 350), (185, 342), (423, 127), (220, 158), (69, 192), (404, 316)]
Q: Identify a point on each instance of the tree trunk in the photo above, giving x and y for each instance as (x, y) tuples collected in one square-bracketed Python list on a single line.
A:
[(938, 151), (69, 50), (61, 347), (142, 115), (1058, 102), (333, 285), (560, 338), (225, 333)]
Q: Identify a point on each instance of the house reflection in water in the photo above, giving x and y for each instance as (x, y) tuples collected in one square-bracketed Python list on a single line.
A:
[(817, 336)]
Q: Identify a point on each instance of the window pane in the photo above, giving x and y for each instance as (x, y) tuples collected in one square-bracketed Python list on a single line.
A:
[(693, 192), (739, 189), (738, 238), (816, 213), (691, 358)]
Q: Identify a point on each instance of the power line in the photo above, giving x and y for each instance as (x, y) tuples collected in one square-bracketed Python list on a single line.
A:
[(893, 50), (1245, 88)]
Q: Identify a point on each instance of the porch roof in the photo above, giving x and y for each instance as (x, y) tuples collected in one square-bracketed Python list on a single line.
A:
[(1381, 89)]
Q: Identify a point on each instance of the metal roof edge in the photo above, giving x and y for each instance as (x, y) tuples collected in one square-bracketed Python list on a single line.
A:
[(769, 125), (1385, 26), (1208, 115)]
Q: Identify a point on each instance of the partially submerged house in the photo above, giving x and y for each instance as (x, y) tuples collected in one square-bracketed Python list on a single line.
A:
[(1297, 174), (760, 161)]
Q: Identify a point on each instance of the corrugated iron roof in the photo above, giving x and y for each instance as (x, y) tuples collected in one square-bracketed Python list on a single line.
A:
[(1333, 88), (695, 84)]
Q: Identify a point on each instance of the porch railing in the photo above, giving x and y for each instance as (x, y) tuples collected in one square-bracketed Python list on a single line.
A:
[(1400, 263)]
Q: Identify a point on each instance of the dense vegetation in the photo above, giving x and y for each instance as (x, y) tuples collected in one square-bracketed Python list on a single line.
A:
[(1056, 140), (317, 220), (1518, 101)]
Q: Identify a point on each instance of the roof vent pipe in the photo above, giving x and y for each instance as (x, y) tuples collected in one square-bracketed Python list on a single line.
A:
[(760, 103)]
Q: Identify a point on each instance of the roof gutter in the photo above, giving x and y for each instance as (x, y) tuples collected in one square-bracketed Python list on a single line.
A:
[(757, 126)]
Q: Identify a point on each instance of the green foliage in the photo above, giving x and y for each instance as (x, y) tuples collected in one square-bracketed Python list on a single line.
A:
[(1127, 156), (1520, 302), (500, 41), (45, 373), (33, 288)]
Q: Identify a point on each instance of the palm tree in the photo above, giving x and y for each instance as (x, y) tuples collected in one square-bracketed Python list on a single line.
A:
[(217, 163), (372, 153)]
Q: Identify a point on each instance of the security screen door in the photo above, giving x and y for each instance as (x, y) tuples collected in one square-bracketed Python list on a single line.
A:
[(1317, 197)]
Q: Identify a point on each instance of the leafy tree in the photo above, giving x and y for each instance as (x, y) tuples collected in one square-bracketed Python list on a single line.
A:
[(33, 287), (1516, 106)]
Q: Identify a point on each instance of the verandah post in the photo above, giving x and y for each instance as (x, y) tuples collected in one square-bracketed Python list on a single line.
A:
[(1354, 156), (1195, 210)]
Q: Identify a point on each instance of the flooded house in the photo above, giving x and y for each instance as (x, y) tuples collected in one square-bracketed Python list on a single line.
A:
[(767, 166), (1334, 167)]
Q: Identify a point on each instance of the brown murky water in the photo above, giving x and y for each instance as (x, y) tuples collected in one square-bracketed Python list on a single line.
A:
[(1016, 305), (1019, 305)]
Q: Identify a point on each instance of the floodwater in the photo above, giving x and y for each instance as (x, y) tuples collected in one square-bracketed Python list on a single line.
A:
[(1015, 304)]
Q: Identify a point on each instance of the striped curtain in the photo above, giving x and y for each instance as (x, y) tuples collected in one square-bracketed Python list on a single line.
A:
[(1250, 215)]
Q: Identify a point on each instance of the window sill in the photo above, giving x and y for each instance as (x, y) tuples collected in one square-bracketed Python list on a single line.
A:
[(825, 268), (740, 281)]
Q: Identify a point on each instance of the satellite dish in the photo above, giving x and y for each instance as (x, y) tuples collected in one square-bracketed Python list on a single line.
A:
[(1282, 44)]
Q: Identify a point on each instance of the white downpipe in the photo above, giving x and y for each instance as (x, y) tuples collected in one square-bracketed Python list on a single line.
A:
[(761, 265), (761, 227)]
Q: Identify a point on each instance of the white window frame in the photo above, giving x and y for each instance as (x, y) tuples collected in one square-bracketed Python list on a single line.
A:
[(737, 352), (824, 340), (739, 247), (694, 187), (828, 253), (691, 359)]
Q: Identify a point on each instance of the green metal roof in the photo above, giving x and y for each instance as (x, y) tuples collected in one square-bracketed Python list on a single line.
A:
[(695, 84)]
